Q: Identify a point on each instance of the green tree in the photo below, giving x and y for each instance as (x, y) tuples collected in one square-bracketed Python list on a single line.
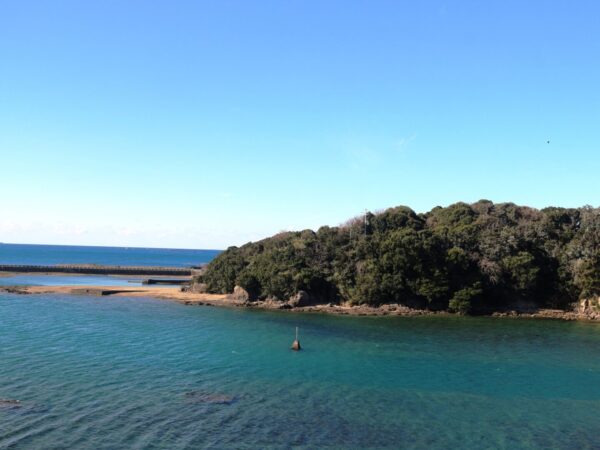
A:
[(465, 258), (463, 300)]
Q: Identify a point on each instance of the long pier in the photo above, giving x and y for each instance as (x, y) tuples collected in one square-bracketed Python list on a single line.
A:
[(98, 269)]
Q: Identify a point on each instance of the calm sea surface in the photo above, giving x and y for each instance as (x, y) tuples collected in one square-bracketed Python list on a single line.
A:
[(125, 256), (112, 373)]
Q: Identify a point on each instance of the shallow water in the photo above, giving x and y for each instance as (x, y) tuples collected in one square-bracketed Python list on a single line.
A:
[(96, 372), (71, 280)]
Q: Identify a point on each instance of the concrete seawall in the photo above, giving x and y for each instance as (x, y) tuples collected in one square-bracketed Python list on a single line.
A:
[(98, 269)]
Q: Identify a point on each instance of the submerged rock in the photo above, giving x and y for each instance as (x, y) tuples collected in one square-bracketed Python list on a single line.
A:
[(22, 407), (15, 290), (211, 398), (10, 403)]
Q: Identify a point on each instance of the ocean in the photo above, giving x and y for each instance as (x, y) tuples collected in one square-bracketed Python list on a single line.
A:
[(141, 373), (125, 256)]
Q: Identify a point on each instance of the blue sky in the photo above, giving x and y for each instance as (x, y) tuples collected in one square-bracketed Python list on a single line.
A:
[(205, 124)]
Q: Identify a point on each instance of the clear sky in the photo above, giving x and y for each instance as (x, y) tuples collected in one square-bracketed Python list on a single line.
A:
[(203, 124)]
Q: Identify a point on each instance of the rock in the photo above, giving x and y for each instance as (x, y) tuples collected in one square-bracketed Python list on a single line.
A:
[(240, 294), (302, 298), (198, 288), (15, 290), (274, 303), (589, 308)]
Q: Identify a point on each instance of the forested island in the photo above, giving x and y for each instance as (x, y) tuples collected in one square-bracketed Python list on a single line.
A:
[(465, 258)]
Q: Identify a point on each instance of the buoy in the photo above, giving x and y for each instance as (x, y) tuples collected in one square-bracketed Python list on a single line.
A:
[(296, 343)]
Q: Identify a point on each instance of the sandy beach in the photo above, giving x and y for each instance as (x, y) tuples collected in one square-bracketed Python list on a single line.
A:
[(168, 293)]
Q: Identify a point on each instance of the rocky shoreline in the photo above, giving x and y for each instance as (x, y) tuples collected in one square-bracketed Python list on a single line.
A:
[(304, 302), (401, 310), (587, 310)]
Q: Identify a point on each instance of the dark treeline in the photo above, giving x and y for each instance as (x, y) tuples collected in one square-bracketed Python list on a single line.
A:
[(464, 258)]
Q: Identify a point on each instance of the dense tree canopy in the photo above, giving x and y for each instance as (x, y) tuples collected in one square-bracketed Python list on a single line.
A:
[(463, 258)]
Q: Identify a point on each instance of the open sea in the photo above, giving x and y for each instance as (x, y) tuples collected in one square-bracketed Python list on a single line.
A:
[(124, 256), (121, 373)]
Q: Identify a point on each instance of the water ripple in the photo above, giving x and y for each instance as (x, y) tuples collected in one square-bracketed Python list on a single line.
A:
[(108, 373)]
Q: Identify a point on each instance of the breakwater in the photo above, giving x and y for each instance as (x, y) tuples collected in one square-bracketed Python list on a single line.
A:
[(96, 269), (167, 281)]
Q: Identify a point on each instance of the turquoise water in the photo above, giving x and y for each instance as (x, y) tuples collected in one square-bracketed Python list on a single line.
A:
[(96, 372), (71, 280), (72, 254)]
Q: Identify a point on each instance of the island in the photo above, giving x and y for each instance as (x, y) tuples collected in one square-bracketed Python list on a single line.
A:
[(480, 258)]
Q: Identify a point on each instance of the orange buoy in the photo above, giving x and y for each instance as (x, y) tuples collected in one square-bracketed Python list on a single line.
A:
[(296, 343)]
